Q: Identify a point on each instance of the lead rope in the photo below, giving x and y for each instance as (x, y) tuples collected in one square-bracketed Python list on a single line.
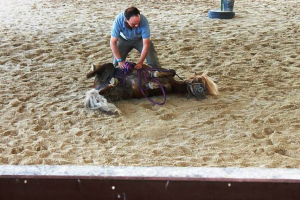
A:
[(143, 72)]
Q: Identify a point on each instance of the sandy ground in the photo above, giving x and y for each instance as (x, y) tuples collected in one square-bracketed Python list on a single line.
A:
[(46, 50)]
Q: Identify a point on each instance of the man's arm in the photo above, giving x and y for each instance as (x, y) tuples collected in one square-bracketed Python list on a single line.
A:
[(115, 50), (146, 45)]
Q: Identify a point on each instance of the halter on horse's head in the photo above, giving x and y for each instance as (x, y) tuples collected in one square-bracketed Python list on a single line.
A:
[(197, 89), (199, 84)]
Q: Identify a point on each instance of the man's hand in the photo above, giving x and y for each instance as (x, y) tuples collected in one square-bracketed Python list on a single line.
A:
[(121, 65), (138, 66)]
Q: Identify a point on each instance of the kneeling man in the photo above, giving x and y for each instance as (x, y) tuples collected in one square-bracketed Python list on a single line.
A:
[(131, 31)]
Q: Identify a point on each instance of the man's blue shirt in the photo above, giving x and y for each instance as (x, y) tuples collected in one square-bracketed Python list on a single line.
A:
[(120, 28)]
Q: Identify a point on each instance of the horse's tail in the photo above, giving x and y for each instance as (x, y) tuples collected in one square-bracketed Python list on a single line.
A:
[(210, 85), (94, 101)]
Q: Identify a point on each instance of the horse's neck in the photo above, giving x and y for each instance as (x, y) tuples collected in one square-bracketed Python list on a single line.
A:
[(179, 86)]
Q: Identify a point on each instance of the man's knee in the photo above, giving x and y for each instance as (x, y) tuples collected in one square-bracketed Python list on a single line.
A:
[(152, 59)]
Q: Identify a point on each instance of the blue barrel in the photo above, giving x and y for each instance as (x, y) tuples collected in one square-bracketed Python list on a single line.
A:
[(228, 5)]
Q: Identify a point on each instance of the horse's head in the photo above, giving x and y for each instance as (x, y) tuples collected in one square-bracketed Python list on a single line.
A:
[(199, 84)]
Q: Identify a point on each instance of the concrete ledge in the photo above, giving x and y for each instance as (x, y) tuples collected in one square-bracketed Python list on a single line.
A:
[(91, 182)]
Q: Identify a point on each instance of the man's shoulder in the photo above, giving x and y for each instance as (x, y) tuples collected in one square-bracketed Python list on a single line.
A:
[(143, 18), (144, 21), (120, 17)]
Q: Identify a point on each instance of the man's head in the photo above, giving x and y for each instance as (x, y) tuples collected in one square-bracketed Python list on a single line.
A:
[(132, 17)]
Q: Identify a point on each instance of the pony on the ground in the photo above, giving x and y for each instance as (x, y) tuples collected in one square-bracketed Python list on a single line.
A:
[(114, 84)]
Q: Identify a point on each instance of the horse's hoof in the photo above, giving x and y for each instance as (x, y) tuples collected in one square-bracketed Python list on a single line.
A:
[(113, 82), (93, 67), (91, 72)]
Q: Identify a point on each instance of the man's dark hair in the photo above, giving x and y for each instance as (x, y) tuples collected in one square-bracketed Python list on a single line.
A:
[(130, 12)]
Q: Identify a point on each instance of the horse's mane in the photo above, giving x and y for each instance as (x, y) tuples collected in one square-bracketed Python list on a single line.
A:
[(209, 84)]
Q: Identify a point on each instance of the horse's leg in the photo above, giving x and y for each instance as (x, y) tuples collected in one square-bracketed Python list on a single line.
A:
[(103, 90), (92, 71), (161, 72), (169, 84), (98, 83), (158, 74), (95, 69)]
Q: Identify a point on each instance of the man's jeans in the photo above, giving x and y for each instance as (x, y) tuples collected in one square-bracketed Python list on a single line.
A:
[(125, 46)]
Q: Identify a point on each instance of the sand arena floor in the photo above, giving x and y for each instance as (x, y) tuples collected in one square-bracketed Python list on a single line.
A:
[(47, 47)]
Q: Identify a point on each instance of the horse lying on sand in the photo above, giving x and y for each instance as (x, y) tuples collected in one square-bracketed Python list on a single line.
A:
[(115, 84)]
